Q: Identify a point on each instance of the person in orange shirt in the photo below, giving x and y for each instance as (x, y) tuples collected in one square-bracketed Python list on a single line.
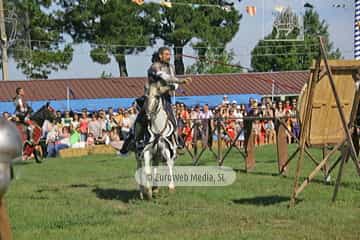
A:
[(187, 135)]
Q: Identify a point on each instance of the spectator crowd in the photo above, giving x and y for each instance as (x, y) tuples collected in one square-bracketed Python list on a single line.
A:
[(198, 123)]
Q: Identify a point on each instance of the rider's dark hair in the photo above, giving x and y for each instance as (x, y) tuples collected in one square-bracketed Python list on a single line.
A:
[(163, 49), (156, 55), (18, 90)]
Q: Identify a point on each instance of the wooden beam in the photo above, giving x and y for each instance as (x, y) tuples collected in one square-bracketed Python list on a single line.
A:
[(5, 228)]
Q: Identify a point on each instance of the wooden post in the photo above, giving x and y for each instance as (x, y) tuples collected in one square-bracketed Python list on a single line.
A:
[(282, 147), (317, 169), (341, 112), (305, 126), (219, 155), (249, 150), (344, 158), (5, 228)]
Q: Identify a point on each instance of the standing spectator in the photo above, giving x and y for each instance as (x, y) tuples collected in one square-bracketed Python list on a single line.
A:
[(187, 135), (66, 120), (239, 125), (233, 105), (207, 126), (225, 100), (94, 126), (58, 117), (84, 124), (195, 117), (102, 123), (289, 125), (125, 126), (119, 117), (269, 132), (75, 122), (132, 115), (110, 112), (287, 106), (280, 111)]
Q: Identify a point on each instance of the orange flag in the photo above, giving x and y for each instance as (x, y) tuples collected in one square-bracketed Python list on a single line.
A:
[(251, 10), (138, 2)]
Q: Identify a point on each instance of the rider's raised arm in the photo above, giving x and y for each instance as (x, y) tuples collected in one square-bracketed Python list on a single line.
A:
[(156, 71)]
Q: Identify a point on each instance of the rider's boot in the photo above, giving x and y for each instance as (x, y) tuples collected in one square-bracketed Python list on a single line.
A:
[(29, 132), (141, 136), (127, 143)]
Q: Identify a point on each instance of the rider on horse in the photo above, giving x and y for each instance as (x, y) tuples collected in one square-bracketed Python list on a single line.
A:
[(22, 111), (161, 81)]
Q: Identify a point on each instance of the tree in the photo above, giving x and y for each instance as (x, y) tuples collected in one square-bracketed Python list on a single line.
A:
[(39, 48), (215, 61), (117, 28), (207, 26), (291, 55)]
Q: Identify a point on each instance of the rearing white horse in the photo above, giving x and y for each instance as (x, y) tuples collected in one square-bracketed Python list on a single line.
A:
[(161, 147)]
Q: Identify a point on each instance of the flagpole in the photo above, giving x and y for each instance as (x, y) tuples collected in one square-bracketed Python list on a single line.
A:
[(263, 18), (68, 98)]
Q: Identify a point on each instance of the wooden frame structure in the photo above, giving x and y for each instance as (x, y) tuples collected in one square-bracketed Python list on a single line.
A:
[(344, 140), (5, 228)]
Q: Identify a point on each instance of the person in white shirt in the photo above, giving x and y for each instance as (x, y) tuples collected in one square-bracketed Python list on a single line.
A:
[(225, 100)]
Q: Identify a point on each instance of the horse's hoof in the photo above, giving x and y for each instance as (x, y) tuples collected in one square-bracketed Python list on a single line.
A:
[(327, 179), (155, 190)]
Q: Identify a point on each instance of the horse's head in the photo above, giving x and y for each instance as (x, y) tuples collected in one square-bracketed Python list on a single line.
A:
[(46, 112)]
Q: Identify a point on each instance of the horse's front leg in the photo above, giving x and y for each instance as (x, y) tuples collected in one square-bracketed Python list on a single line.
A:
[(147, 173), (170, 164)]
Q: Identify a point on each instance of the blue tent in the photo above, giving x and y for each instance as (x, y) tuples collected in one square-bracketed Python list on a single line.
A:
[(104, 103)]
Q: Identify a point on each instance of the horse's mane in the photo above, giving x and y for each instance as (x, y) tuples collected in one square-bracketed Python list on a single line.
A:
[(40, 115)]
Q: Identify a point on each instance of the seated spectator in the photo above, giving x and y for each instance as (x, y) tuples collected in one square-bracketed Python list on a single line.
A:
[(103, 139), (6, 116), (64, 140), (51, 138), (115, 139), (75, 138), (66, 120), (90, 141)]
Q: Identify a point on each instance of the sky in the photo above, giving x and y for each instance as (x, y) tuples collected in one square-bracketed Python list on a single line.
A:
[(252, 29)]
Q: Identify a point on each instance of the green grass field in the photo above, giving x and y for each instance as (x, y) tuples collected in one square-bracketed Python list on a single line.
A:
[(96, 198)]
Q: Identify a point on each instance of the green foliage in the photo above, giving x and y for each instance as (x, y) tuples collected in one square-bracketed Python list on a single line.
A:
[(96, 197), (115, 29), (207, 26), (40, 48), (104, 74), (214, 61), (291, 55)]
